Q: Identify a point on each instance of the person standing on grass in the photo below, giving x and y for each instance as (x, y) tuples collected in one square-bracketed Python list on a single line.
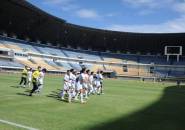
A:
[(101, 81), (41, 80), (98, 82), (90, 83), (35, 80), (66, 85), (80, 83), (77, 87), (24, 77), (29, 77), (73, 81), (85, 77)]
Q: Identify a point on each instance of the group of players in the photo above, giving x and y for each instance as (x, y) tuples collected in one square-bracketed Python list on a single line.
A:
[(76, 85), (35, 77), (81, 85)]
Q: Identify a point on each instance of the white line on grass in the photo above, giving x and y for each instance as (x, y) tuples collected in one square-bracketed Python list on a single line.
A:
[(17, 125)]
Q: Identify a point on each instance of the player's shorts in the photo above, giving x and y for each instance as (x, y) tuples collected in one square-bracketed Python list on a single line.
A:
[(73, 85), (85, 86), (66, 86), (90, 86), (94, 83), (97, 84), (29, 79), (78, 86)]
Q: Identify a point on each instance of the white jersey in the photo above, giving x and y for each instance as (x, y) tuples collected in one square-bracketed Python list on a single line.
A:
[(66, 82), (99, 79), (80, 81), (73, 80), (29, 75), (91, 79), (41, 78), (85, 78)]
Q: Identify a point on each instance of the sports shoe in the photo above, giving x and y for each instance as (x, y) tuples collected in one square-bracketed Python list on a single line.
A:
[(83, 102)]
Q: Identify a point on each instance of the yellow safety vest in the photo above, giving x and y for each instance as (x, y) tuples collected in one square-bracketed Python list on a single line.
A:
[(24, 73), (35, 76)]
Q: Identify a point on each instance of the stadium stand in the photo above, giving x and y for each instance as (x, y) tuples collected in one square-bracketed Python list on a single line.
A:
[(96, 67), (132, 61), (7, 63), (96, 48)]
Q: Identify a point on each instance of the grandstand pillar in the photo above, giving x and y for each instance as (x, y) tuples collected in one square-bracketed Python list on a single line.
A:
[(177, 58), (168, 57)]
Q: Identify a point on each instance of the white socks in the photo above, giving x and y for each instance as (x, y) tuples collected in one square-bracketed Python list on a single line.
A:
[(63, 94), (86, 92), (81, 97)]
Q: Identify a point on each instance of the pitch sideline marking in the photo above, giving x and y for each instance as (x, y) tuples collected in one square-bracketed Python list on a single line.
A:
[(17, 125)]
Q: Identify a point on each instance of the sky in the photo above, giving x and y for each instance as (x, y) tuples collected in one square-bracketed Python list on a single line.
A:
[(146, 16)]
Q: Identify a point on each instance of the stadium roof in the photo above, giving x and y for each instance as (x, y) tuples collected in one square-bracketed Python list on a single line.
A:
[(19, 17)]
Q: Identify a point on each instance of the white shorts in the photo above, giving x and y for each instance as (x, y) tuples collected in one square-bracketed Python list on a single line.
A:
[(85, 86), (73, 85), (29, 79), (94, 83), (78, 86), (66, 86), (90, 86), (97, 84)]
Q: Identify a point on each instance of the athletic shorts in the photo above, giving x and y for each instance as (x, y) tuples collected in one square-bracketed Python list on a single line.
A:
[(90, 86), (78, 86), (66, 86), (98, 84), (85, 86), (29, 79), (73, 85)]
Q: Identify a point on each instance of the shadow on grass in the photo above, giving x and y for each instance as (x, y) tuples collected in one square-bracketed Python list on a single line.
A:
[(17, 86), (22, 94), (55, 95), (168, 113)]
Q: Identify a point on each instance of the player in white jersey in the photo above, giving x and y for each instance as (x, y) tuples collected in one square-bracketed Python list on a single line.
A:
[(94, 84), (98, 82), (85, 82), (73, 83), (90, 84), (66, 84), (29, 77), (79, 85), (101, 81), (41, 80)]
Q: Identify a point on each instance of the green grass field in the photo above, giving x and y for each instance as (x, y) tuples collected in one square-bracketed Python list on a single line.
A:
[(126, 105)]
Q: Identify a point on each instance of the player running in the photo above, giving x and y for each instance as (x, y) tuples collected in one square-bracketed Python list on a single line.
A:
[(86, 82), (98, 82), (101, 81), (41, 80), (29, 77), (66, 87), (80, 84), (24, 77), (35, 81), (90, 83)]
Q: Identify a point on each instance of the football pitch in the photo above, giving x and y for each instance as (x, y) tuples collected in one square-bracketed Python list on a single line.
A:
[(126, 105)]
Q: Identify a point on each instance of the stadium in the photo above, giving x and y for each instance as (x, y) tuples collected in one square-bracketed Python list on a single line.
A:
[(144, 74)]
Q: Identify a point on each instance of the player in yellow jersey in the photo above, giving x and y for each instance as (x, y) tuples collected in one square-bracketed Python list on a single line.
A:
[(35, 80), (24, 77)]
